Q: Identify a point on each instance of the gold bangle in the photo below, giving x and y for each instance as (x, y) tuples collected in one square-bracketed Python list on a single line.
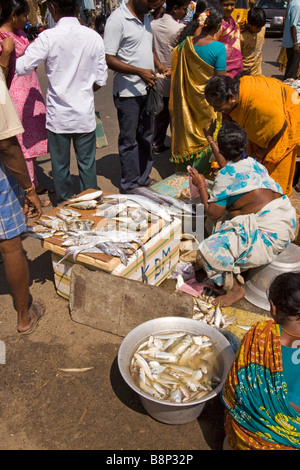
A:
[(29, 189)]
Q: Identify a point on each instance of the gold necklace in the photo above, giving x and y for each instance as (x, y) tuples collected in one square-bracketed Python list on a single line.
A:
[(290, 334)]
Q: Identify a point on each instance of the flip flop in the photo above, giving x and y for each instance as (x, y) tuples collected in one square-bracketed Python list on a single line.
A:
[(38, 310)]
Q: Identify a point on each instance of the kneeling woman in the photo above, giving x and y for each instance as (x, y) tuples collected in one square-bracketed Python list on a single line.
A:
[(255, 220)]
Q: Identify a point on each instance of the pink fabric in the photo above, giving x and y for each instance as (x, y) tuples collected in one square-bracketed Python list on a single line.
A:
[(229, 35), (28, 100), (192, 287)]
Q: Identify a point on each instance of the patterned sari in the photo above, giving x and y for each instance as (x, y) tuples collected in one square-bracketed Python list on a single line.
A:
[(250, 240), (229, 35), (258, 415)]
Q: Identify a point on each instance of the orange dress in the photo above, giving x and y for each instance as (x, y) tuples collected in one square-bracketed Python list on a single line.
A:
[(264, 105)]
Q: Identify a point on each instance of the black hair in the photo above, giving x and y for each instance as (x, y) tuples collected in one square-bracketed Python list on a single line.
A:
[(257, 17), (170, 4), (7, 7), (221, 88), (284, 292), (65, 7), (232, 141), (214, 18)]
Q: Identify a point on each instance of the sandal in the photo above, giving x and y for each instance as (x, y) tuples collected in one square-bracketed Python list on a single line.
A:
[(38, 309)]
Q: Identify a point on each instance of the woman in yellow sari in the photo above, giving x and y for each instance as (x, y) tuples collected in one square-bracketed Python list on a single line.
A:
[(269, 112), (194, 61)]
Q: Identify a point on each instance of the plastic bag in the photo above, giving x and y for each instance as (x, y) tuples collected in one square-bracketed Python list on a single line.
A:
[(155, 101)]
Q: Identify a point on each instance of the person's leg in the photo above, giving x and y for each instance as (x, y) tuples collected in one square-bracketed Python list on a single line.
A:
[(292, 65), (128, 110), (144, 139), (30, 163), (17, 275), (161, 124), (59, 148), (85, 150)]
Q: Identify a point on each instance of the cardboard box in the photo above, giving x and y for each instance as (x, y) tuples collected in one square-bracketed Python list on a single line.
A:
[(162, 255)]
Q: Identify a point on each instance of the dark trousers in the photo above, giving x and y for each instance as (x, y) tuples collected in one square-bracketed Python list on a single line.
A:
[(60, 151), (161, 124), (135, 141), (293, 59)]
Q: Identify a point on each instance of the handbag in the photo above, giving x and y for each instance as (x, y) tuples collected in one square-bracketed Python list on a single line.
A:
[(101, 140), (155, 101)]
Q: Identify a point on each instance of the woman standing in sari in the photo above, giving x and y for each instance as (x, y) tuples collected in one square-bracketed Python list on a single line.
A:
[(229, 34), (269, 112), (24, 91), (193, 63), (262, 390)]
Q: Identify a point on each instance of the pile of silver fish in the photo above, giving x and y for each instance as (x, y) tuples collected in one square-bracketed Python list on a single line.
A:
[(128, 215), (208, 312), (176, 367)]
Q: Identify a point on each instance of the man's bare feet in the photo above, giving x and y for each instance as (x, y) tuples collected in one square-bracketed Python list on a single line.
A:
[(233, 295), (35, 312)]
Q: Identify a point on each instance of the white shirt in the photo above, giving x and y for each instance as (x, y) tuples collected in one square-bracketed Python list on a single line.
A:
[(74, 60), (130, 40)]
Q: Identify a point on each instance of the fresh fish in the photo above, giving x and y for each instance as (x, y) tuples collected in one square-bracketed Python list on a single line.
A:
[(85, 204), (147, 204), (86, 197), (244, 327), (177, 376), (165, 199)]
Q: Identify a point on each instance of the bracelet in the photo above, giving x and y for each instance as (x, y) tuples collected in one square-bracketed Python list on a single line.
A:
[(296, 43), (29, 189), (212, 140)]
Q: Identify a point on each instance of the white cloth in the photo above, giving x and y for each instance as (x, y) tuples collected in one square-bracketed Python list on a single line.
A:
[(165, 31), (130, 40), (74, 60)]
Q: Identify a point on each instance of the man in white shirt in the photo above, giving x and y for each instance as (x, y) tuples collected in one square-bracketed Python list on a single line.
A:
[(128, 47), (165, 32), (75, 66)]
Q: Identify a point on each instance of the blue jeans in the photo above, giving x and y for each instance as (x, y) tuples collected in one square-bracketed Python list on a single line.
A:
[(85, 151), (135, 141)]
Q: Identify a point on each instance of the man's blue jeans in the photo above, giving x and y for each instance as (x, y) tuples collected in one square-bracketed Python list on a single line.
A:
[(135, 141), (85, 151)]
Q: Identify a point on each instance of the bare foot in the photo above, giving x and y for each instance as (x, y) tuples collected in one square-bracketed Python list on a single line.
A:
[(232, 296), (35, 312)]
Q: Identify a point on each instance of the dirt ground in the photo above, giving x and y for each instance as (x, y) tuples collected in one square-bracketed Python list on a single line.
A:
[(44, 408)]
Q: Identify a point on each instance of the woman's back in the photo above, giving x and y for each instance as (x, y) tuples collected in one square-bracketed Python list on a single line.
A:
[(213, 53)]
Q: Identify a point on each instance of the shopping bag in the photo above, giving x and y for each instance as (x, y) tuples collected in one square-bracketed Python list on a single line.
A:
[(101, 140)]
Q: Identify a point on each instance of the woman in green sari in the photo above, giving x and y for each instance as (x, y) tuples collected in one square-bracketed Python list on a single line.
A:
[(194, 61)]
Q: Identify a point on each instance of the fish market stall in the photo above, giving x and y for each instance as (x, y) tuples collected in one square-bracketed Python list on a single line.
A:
[(129, 236)]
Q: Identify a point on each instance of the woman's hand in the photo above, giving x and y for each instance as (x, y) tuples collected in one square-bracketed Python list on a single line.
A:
[(209, 133), (197, 178)]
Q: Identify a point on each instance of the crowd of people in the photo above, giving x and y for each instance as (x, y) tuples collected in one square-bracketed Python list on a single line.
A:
[(218, 105)]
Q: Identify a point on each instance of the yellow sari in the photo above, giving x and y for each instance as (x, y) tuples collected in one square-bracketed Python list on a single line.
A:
[(264, 105), (189, 110)]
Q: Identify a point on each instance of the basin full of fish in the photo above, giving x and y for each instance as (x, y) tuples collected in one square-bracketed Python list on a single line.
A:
[(176, 367)]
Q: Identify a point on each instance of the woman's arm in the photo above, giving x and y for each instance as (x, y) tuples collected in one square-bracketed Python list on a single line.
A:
[(8, 45), (214, 146), (214, 211)]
